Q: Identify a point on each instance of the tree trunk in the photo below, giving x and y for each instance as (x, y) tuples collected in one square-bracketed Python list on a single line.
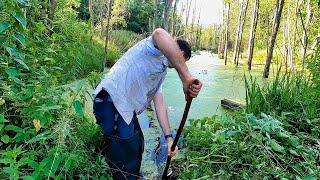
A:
[(53, 5), (273, 38), (174, 18), (187, 17), (155, 15), (107, 31), (236, 46), (241, 30), (288, 36), (221, 40), (304, 44), (101, 24), (253, 27), (227, 35), (166, 12), (91, 19)]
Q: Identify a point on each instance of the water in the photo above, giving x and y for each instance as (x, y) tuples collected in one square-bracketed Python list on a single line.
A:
[(219, 82)]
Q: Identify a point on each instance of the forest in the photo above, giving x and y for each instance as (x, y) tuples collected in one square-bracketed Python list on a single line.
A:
[(53, 53)]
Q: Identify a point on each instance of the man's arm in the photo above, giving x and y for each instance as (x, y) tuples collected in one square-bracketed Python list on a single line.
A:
[(162, 116), (169, 47)]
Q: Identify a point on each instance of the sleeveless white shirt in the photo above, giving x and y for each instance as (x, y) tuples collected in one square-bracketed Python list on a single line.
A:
[(133, 81)]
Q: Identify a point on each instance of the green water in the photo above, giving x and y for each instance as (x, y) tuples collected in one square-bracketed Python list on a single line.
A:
[(219, 82)]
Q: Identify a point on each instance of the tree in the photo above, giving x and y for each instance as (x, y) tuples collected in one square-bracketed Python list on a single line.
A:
[(275, 28), (305, 26), (155, 14), (254, 22), (174, 17), (110, 4), (227, 34), (165, 24), (187, 16), (241, 21)]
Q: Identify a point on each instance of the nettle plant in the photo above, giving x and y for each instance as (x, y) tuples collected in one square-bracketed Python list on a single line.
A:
[(43, 128)]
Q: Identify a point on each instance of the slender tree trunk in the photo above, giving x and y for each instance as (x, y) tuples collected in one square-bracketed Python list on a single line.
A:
[(227, 35), (174, 18), (253, 27), (273, 38), (295, 35), (91, 19), (288, 36), (304, 44), (241, 30), (101, 24), (221, 40), (235, 52), (53, 5), (166, 12), (155, 15), (187, 17), (107, 31)]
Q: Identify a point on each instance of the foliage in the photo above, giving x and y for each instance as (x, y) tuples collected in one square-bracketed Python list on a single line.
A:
[(247, 147), (124, 39), (44, 130)]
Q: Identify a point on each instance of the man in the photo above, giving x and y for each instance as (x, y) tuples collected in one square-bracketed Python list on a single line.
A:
[(127, 90)]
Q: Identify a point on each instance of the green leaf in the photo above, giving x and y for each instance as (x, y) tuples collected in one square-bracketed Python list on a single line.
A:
[(2, 120), (20, 18), (39, 137), (78, 108), (13, 128), (293, 152), (275, 146), (70, 162), (5, 139), (20, 38), (17, 56), (13, 72), (23, 3), (28, 178), (4, 25)]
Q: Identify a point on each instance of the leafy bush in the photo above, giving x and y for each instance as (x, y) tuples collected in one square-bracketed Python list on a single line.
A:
[(246, 147), (44, 130), (124, 39)]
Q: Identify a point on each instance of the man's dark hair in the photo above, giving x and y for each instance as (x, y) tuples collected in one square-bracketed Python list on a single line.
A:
[(185, 47)]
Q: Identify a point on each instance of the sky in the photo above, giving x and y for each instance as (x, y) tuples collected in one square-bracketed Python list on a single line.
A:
[(210, 11)]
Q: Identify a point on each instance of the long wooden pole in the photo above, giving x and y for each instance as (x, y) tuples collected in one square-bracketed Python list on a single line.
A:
[(176, 139)]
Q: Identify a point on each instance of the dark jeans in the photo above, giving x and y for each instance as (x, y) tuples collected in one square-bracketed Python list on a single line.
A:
[(109, 118)]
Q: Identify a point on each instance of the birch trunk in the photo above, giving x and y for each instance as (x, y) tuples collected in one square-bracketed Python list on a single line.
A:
[(165, 24), (241, 30), (304, 44), (236, 47), (273, 38), (174, 18), (187, 17), (254, 22), (227, 35)]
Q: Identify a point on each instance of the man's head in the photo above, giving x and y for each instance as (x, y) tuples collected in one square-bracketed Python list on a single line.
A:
[(185, 48)]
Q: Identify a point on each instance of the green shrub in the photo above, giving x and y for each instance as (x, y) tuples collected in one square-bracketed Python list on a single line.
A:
[(43, 128), (124, 39), (247, 147)]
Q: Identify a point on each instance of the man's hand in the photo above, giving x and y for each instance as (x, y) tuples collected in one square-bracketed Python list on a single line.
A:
[(190, 88), (170, 142)]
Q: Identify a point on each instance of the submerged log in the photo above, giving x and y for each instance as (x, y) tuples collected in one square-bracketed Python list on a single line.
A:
[(229, 104)]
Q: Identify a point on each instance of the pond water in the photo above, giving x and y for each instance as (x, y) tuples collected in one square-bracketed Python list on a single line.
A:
[(219, 82)]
